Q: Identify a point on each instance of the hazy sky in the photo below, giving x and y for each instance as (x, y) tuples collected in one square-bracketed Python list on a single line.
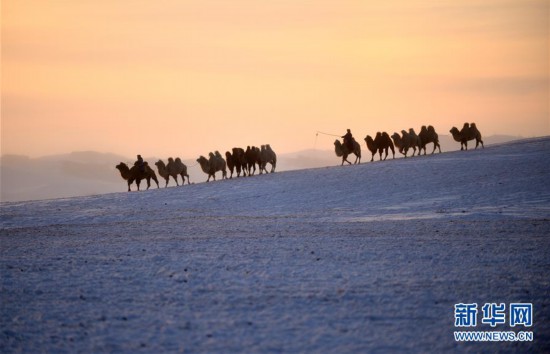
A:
[(182, 78)]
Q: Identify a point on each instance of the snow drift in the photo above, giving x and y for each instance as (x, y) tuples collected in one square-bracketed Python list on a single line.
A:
[(361, 258)]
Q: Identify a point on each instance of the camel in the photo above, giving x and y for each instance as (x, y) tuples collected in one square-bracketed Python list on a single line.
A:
[(342, 150), (253, 157), (230, 163), (178, 167), (213, 165), (173, 168), (135, 174), (428, 135), (415, 141), (468, 132), (404, 142), (373, 148), (382, 142), (240, 161), (267, 155)]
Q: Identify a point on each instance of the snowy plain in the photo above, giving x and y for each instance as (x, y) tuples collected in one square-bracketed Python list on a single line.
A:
[(363, 258)]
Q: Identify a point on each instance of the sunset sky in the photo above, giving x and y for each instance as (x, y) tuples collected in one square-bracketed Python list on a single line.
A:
[(182, 78)]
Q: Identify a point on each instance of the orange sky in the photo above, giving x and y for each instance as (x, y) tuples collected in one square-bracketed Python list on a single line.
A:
[(182, 78)]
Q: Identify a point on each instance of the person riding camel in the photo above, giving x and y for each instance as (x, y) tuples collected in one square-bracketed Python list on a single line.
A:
[(140, 164), (348, 140)]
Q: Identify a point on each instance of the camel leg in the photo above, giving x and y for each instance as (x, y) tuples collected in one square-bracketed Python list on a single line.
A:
[(148, 179), (477, 143), (130, 181)]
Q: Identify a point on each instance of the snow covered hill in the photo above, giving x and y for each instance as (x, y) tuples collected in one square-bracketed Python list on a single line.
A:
[(89, 173), (364, 258)]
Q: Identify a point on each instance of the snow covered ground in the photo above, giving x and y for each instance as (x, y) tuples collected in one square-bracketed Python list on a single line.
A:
[(367, 258)]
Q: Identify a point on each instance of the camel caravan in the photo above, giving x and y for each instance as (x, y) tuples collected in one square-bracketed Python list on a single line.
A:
[(239, 161), (243, 162), (404, 142)]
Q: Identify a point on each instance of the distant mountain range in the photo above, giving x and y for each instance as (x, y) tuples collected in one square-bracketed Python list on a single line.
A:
[(88, 173)]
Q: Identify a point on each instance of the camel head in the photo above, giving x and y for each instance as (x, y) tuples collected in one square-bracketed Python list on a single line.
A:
[(455, 133), (124, 170), (122, 167), (203, 161), (396, 137), (160, 164), (370, 143)]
